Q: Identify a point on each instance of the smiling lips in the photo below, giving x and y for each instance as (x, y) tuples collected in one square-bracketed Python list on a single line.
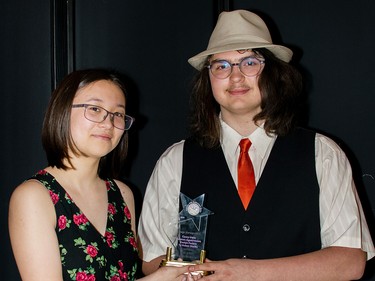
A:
[(103, 136), (238, 91)]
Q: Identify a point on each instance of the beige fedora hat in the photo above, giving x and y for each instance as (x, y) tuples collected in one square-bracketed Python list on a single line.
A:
[(238, 30)]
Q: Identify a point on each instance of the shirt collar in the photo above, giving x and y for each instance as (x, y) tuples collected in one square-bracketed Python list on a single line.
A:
[(259, 139)]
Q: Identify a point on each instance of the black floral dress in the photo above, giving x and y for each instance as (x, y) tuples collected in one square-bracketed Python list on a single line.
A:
[(86, 255)]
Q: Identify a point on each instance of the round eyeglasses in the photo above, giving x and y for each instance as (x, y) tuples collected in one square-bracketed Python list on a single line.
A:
[(249, 66), (98, 114)]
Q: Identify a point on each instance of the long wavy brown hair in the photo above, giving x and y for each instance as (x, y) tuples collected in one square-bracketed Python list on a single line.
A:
[(280, 86)]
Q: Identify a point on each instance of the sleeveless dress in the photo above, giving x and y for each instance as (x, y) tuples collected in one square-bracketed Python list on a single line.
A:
[(85, 253)]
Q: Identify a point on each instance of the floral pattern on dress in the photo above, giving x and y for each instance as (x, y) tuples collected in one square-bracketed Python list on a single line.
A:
[(86, 255)]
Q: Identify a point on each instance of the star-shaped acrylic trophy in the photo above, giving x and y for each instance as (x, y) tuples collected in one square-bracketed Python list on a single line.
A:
[(188, 247)]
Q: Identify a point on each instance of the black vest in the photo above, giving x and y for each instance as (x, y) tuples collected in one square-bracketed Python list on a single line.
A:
[(283, 216)]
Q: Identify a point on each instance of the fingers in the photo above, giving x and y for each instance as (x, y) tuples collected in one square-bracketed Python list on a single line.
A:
[(200, 267), (190, 277), (193, 277)]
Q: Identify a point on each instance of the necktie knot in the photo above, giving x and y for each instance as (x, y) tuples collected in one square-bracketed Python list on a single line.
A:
[(245, 145)]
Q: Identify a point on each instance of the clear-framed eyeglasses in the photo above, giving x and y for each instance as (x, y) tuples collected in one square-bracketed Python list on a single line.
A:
[(249, 66), (98, 114)]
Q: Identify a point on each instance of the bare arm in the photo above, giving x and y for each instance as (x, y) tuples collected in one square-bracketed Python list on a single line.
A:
[(32, 220), (333, 263), (151, 266)]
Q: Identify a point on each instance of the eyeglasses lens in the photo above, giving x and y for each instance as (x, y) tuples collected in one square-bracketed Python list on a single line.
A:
[(98, 115), (249, 66)]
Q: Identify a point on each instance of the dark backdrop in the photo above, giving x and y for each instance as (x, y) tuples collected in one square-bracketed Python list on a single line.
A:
[(333, 41)]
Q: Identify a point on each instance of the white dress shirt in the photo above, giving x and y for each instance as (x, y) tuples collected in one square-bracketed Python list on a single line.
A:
[(342, 220)]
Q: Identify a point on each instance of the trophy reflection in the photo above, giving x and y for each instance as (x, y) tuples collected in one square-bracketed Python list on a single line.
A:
[(187, 235)]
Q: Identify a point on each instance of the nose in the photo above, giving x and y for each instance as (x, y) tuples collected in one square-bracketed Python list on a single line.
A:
[(236, 74), (105, 119)]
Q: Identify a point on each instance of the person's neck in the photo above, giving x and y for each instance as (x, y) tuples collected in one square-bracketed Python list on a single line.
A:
[(83, 175), (242, 124)]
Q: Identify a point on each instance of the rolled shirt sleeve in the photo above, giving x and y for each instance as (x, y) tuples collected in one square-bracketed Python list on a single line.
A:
[(341, 216)]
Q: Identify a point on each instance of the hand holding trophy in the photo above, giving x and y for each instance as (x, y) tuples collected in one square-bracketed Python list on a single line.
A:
[(188, 234)]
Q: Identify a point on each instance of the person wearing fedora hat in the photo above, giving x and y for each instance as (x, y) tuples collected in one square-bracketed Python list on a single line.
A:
[(302, 218)]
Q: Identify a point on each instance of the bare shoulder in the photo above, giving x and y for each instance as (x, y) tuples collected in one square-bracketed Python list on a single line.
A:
[(125, 190), (32, 224), (29, 191), (30, 197)]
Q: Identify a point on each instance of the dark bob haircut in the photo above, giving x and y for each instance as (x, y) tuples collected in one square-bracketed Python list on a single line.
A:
[(56, 136)]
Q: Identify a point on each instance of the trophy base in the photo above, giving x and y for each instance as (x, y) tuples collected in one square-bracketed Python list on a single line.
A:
[(169, 262), (182, 263)]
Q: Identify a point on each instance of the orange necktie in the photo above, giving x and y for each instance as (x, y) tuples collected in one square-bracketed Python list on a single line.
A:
[(246, 177)]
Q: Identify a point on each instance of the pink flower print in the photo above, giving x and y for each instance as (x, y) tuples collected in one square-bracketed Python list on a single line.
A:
[(62, 222), (109, 236), (115, 278), (80, 219), (81, 276), (92, 251), (68, 196), (111, 209), (55, 197), (127, 212), (121, 265), (42, 172), (132, 242), (84, 219), (91, 277), (108, 185), (123, 275)]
